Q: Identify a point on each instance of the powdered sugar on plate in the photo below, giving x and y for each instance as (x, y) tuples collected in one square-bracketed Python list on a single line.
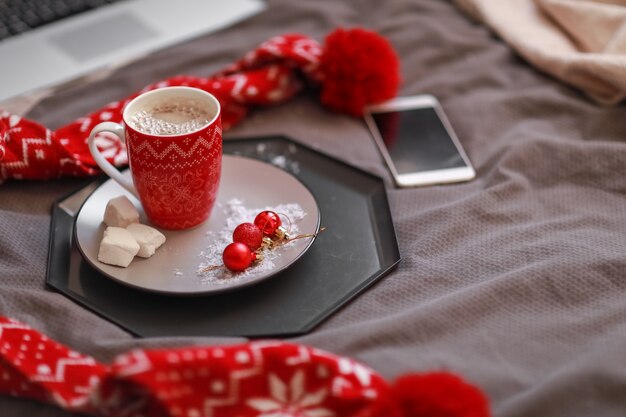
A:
[(237, 213)]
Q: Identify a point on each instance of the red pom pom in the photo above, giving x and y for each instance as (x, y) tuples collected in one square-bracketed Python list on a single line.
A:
[(248, 234), (359, 68), (439, 394)]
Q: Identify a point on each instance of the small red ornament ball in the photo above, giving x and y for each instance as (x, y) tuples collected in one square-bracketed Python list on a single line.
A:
[(359, 67), (438, 394), (237, 256), (250, 234), (268, 222)]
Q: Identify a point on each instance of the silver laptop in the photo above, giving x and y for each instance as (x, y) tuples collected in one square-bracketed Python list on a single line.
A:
[(45, 43)]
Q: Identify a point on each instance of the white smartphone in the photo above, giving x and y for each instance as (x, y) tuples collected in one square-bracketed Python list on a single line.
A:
[(417, 142)]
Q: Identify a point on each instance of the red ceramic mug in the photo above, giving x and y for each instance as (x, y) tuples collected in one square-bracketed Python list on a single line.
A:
[(174, 176)]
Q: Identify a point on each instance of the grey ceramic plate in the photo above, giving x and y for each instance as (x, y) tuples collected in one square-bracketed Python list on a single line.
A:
[(173, 269)]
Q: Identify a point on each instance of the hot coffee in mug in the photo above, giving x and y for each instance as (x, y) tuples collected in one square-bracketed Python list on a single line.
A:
[(173, 136), (175, 116)]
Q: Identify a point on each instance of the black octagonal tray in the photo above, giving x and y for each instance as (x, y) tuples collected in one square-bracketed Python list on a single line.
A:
[(358, 247)]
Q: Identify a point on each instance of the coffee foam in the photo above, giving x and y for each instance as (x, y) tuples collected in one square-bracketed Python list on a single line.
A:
[(175, 116)]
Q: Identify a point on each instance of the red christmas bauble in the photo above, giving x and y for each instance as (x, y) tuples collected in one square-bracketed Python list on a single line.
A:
[(237, 256), (268, 222), (250, 234)]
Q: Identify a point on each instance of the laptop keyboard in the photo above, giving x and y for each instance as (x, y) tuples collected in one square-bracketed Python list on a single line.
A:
[(19, 16)]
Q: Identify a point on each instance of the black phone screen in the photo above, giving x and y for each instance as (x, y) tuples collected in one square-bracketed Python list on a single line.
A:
[(417, 140)]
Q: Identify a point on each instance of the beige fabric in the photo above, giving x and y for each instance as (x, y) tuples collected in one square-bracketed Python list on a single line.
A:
[(582, 42)]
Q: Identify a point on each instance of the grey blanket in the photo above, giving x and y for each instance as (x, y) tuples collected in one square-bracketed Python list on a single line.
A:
[(516, 280)]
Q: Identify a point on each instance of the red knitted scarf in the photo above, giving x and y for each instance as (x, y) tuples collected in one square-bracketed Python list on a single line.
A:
[(255, 379), (354, 68)]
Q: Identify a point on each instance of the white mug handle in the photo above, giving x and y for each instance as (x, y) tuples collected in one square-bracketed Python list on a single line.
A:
[(118, 130)]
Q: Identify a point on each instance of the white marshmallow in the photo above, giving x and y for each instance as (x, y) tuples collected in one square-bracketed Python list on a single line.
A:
[(120, 212), (118, 247), (148, 238)]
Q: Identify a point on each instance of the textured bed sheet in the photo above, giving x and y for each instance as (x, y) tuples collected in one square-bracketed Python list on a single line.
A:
[(516, 280)]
